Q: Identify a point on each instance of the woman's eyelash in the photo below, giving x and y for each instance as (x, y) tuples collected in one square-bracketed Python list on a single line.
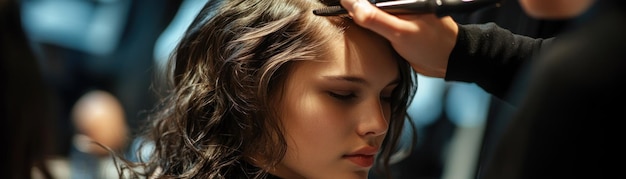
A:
[(348, 96), (343, 96)]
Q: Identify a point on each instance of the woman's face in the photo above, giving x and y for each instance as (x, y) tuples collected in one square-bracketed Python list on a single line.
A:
[(335, 112)]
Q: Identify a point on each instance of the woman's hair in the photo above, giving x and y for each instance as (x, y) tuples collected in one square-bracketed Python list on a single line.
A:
[(227, 74)]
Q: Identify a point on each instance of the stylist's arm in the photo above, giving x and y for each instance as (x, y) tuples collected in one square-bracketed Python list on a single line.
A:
[(424, 40)]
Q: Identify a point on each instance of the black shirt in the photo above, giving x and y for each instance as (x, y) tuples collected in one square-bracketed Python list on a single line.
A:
[(569, 94)]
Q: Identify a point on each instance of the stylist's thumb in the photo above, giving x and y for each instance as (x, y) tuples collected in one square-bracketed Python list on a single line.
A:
[(369, 16)]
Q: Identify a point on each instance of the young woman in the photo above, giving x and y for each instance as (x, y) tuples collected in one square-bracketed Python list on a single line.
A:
[(267, 89)]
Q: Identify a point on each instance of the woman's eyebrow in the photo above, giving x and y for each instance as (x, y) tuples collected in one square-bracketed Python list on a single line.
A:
[(353, 79), (356, 79)]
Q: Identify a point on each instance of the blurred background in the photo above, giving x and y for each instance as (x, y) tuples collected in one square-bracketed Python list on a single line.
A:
[(80, 70)]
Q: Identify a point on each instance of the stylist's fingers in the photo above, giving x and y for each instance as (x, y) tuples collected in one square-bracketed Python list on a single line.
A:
[(367, 15)]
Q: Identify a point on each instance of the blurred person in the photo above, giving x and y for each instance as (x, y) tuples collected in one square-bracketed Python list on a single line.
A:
[(264, 89), (38, 136), (103, 44), (101, 128), (567, 90)]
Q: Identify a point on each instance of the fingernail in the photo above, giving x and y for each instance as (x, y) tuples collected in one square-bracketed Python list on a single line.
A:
[(362, 5)]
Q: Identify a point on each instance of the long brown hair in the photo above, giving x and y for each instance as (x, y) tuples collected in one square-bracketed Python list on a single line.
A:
[(226, 73)]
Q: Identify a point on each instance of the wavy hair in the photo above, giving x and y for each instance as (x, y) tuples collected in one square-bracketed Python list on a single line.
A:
[(224, 76)]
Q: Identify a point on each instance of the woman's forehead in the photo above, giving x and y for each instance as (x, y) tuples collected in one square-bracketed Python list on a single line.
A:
[(355, 52)]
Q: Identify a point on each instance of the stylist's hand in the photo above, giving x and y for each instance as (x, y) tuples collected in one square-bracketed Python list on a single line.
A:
[(425, 40)]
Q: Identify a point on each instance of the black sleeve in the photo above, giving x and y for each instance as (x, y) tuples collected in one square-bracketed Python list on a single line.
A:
[(490, 56)]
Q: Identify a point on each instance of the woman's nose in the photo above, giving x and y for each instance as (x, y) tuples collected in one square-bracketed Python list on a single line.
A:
[(373, 121)]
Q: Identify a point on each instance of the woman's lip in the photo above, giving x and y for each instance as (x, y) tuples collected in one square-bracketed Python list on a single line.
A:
[(367, 150), (361, 160), (363, 157)]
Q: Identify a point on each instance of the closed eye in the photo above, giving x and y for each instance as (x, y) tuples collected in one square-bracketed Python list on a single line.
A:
[(344, 96)]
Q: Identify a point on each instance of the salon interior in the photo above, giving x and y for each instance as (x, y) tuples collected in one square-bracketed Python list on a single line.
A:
[(99, 56)]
